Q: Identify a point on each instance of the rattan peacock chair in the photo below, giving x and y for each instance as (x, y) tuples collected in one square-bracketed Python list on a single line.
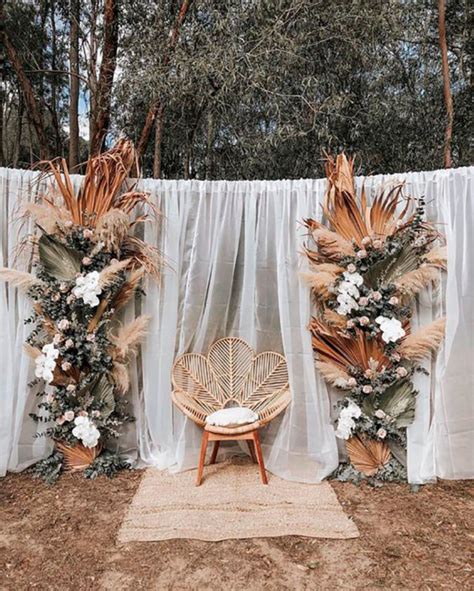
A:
[(231, 375)]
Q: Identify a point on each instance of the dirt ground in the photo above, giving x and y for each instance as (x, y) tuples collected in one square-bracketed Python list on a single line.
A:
[(63, 537)]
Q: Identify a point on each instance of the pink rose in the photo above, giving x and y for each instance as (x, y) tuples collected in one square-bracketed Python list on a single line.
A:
[(69, 415), (90, 337), (364, 320), (95, 413), (63, 324), (351, 268), (379, 413), (350, 324), (86, 261), (63, 287), (71, 387), (401, 372), (361, 254), (396, 357), (381, 433), (69, 344), (368, 373), (352, 382), (56, 297), (88, 233), (393, 301), (60, 420), (82, 413), (366, 240), (363, 301), (377, 244), (367, 389), (66, 366), (376, 296)]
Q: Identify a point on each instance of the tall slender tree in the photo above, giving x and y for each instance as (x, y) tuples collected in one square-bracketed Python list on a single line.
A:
[(448, 98), (74, 88)]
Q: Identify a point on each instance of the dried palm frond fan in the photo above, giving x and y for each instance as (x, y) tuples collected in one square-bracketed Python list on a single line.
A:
[(367, 262)]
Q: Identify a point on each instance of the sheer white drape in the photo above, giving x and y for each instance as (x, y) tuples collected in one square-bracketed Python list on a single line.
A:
[(233, 250)]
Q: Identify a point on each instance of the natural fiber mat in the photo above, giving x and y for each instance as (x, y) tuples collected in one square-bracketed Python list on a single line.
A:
[(231, 503)]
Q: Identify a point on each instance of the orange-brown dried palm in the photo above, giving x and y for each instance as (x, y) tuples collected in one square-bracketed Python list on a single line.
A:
[(333, 346), (351, 218), (101, 188), (367, 455)]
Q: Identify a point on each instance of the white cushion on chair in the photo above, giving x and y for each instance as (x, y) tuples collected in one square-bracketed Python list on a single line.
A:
[(228, 417)]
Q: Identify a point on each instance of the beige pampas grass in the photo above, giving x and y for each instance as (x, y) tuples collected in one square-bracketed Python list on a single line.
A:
[(331, 244), (333, 374), (333, 318), (47, 215), (20, 279), (438, 256), (31, 351), (418, 345), (413, 282), (108, 274), (320, 282), (128, 289), (130, 335), (120, 376)]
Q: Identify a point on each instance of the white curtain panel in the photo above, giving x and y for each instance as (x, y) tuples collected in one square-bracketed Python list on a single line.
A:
[(234, 256)]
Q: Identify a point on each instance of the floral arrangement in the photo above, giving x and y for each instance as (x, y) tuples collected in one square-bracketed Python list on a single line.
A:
[(367, 265), (88, 266)]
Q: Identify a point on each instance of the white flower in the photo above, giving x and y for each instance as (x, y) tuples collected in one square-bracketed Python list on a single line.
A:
[(346, 422), (401, 372), (46, 363), (355, 278), (88, 288), (86, 431), (391, 328), (346, 304), (367, 389), (69, 415), (349, 288)]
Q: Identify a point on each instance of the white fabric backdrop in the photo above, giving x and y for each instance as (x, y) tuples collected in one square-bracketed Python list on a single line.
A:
[(234, 254)]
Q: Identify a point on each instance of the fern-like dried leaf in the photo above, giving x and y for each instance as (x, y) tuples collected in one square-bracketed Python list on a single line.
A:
[(128, 289), (120, 377), (426, 340), (320, 282)]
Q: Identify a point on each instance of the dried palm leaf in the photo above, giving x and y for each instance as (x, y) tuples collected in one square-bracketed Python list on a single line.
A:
[(399, 401), (333, 346), (425, 341), (108, 274), (20, 279), (367, 455), (333, 374), (415, 281), (437, 257), (77, 457), (129, 336), (143, 255), (58, 260)]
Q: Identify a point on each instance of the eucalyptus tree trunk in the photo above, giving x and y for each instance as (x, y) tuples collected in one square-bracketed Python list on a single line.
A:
[(448, 99), (158, 142), (101, 116), (74, 84)]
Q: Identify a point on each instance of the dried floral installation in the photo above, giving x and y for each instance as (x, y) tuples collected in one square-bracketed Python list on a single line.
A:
[(88, 266), (368, 262)]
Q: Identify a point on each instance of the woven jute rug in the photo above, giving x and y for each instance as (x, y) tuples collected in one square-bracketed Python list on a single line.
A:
[(231, 503)]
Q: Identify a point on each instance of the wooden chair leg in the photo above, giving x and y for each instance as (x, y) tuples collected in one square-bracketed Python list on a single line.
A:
[(258, 450), (215, 449), (202, 456), (252, 451)]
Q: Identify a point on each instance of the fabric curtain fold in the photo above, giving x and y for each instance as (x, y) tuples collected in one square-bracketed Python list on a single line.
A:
[(233, 252)]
